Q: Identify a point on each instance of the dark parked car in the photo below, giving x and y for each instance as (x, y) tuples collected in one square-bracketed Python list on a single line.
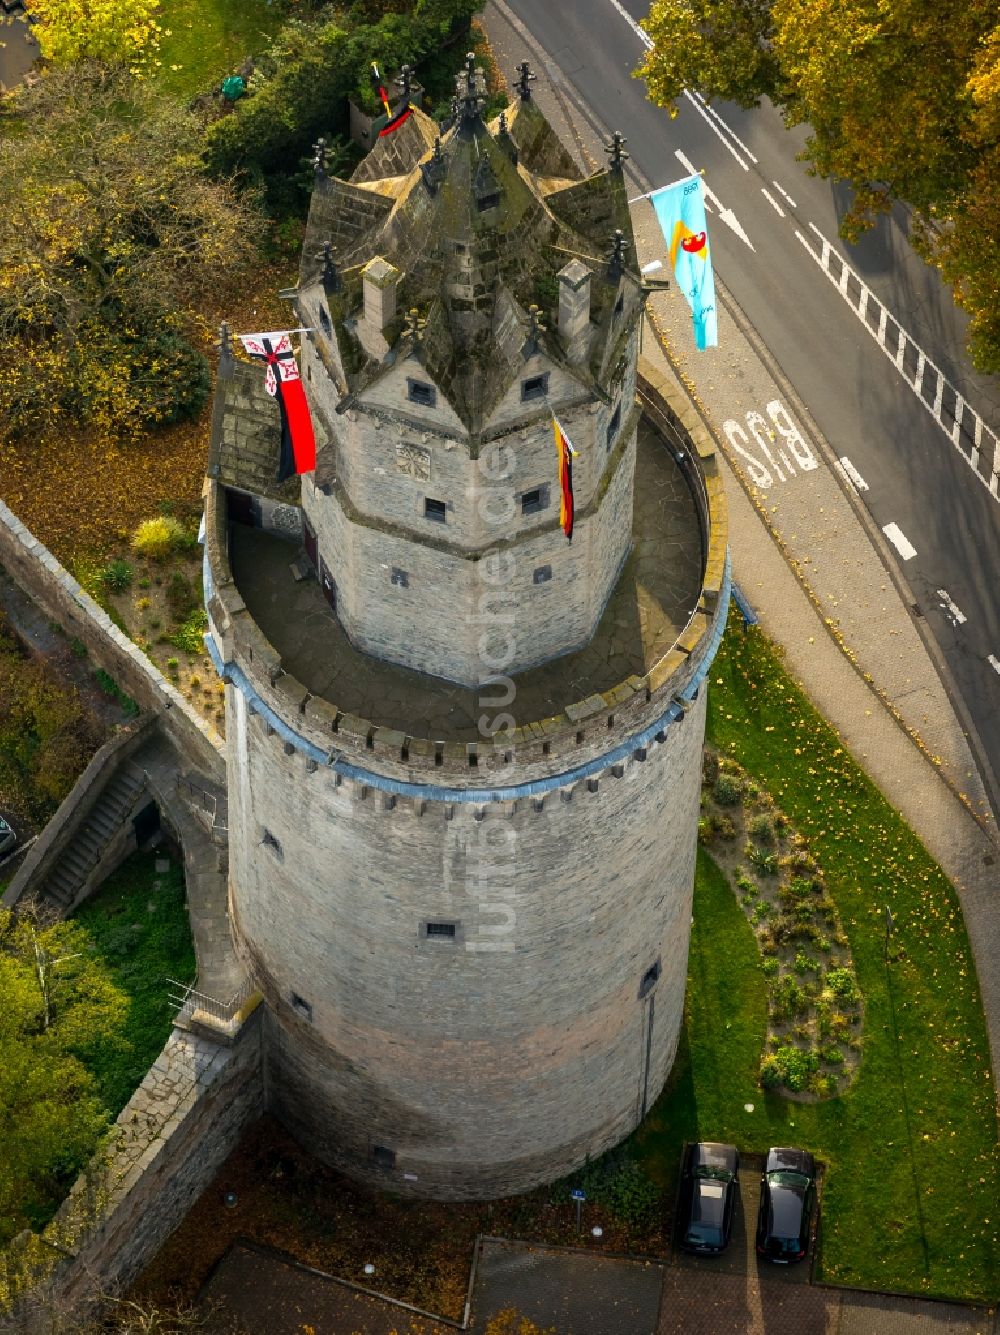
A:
[(787, 1201), (7, 837), (709, 1188)]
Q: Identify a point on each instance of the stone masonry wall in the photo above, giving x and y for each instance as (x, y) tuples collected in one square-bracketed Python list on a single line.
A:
[(169, 1141), (502, 1056), (41, 576)]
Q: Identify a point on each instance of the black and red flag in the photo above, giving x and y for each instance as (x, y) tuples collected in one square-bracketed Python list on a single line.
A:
[(395, 119), (566, 454), (283, 382)]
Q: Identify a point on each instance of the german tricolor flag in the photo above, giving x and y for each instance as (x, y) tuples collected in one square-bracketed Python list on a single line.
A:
[(379, 88), (566, 452)]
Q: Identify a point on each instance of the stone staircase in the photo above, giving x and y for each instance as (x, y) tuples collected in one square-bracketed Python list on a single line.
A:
[(84, 849)]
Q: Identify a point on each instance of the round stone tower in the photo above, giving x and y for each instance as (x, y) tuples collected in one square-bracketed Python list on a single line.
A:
[(464, 751)]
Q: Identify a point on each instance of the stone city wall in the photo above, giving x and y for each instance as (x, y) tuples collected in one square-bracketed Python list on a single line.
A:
[(59, 595), (168, 1143)]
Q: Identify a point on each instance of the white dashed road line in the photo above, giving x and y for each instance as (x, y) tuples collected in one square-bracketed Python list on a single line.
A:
[(785, 195), (978, 445), (899, 540), (954, 612), (773, 202), (848, 471)]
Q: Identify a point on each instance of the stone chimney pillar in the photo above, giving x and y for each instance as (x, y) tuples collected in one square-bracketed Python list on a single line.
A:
[(574, 310), (380, 280)]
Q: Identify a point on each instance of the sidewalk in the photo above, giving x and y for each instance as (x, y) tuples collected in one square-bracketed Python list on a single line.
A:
[(807, 564)]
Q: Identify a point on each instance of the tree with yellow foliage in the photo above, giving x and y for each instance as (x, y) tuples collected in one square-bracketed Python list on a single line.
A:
[(108, 30), (114, 235), (902, 98)]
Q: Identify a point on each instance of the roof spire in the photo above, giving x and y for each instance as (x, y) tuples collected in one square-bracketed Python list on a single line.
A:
[(471, 96), (414, 326), (225, 350), (433, 170), (319, 158), (616, 152), (404, 81), (524, 77)]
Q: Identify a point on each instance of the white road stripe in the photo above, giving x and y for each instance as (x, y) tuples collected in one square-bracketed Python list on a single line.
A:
[(726, 126), (852, 474), (947, 602), (899, 540), (704, 111), (773, 202), (782, 191), (994, 663), (983, 437)]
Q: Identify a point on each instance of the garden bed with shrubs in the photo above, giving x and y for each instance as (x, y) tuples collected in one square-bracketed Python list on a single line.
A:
[(814, 1007)]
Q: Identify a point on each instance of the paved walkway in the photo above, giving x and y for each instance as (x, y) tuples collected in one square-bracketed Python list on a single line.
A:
[(817, 574)]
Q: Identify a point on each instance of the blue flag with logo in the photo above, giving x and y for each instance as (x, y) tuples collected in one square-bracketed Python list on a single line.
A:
[(680, 211)]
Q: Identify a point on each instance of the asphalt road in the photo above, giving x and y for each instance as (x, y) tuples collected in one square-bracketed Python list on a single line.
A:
[(858, 385)]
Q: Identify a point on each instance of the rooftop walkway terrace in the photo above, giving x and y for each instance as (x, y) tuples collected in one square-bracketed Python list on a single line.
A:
[(657, 592)]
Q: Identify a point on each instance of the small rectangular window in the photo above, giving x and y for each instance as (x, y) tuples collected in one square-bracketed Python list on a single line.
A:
[(436, 510), (614, 424), (324, 321), (535, 387), (440, 931), (541, 575), (418, 391), (269, 841), (484, 202), (301, 1007), (533, 502), (619, 306), (400, 578), (382, 1157)]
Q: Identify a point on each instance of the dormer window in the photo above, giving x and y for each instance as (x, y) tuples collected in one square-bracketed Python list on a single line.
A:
[(436, 510), (535, 387), (324, 322), (619, 306), (419, 391), (490, 201)]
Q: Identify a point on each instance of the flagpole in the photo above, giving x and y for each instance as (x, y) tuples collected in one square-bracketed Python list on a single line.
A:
[(649, 193)]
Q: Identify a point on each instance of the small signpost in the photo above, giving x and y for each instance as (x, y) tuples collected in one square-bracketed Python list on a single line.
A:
[(579, 1197), (888, 930)]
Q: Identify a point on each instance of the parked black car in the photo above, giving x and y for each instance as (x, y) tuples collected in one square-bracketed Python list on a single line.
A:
[(709, 1189), (7, 837), (787, 1201)]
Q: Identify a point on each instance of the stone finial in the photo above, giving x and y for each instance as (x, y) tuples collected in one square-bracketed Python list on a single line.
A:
[(470, 90), (331, 274), (405, 81), (379, 281), (616, 260), (225, 346), (505, 140), (536, 327), (524, 78), (319, 161), (415, 325), (616, 152), (574, 310), (433, 170)]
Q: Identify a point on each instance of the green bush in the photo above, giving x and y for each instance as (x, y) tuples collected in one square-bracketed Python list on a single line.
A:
[(116, 576), (727, 791), (843, 984), (182, 597), (762, 829), (789, 1066), (191, 635), (762, 860), (787, 999), (156, 539)]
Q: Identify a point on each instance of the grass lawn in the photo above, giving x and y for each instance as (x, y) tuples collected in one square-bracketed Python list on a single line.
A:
[(138, 924), (211, 39), (912, 1191)]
